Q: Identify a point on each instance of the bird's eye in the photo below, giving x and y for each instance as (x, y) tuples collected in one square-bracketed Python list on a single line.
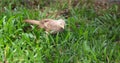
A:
[(61, 23)]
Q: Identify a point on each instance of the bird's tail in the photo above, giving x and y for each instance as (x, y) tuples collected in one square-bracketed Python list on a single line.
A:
[(32, 21)]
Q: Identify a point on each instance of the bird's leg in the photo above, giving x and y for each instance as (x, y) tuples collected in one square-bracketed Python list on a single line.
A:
[(46, 32)]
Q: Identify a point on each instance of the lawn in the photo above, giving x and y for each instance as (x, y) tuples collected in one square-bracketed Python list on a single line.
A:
[(90, 36)]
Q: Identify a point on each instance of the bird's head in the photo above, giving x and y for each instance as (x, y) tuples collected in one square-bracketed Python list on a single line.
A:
[(61, 23)]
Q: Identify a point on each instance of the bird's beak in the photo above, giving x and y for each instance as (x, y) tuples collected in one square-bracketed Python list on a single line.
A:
[(62, 26)]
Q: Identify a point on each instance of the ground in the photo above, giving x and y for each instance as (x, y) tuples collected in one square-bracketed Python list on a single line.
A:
[(90, 35)]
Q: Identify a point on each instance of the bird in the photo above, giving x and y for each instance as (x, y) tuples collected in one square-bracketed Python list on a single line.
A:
[(49, 25)]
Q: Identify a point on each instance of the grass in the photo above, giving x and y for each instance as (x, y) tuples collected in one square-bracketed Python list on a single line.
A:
[(94, 39)]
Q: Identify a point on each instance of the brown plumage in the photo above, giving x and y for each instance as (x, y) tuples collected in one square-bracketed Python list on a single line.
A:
[(50, 25)]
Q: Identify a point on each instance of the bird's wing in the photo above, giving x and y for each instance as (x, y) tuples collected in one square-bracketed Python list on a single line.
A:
[(52, 25)]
